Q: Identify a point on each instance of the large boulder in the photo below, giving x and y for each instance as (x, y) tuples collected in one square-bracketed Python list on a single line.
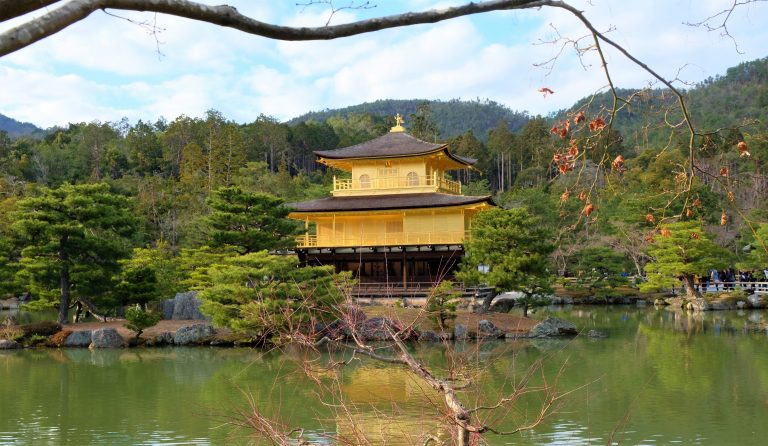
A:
[(756, 301), (7, 344), (382, 328), (337, 329), (80, 338), (168, 306), (106, 338), (429, 336), (486, 329), (552, 327), (193, 334), (341, 328), (164, 338), (187, 307)]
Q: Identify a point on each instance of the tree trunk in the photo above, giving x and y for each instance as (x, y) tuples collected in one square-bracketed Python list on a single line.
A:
[(64, 280), (690, 289), (66, 286), (78, 311), (525, 310)]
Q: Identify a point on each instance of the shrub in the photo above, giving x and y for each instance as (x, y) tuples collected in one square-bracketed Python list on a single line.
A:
[(11, 333), (42, 328), (59, 338), (442, 303), (37, 339), (139, 319)]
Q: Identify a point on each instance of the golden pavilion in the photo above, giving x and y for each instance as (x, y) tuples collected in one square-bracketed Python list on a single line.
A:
[(398, 219)]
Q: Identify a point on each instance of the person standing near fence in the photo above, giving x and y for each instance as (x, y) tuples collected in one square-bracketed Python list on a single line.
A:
[(715, 276)]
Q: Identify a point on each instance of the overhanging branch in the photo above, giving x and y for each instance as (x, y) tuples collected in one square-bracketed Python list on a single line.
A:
[(76, 10)]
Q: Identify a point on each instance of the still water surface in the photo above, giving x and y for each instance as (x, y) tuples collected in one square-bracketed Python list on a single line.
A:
[(658, 378)]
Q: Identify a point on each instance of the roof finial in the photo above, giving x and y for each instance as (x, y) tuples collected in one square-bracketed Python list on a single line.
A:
[(398, 124)]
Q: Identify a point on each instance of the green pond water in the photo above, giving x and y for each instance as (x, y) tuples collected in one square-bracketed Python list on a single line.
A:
[(658, 378)]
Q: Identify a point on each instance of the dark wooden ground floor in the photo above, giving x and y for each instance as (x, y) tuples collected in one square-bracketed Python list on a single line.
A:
[(400, 266)]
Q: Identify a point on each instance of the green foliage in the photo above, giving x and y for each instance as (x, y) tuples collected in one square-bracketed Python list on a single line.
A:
[(685, 252), (263, 295), (250, 221), (453, 117), (422, 125), (514, 247), (150, 274), (599, 270), (138, 319), (442, 303), (757, 259), (73, 238)]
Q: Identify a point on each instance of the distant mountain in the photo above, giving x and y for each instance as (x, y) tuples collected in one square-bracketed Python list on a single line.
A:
[(16, 129), (453, 117)]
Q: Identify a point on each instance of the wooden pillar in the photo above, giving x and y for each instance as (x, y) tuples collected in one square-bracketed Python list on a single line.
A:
[(405, 271)]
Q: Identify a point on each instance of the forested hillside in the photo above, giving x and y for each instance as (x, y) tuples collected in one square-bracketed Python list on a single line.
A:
[(453, 117), (738, 97)]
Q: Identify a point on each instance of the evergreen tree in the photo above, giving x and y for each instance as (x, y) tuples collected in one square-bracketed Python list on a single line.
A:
[(250, 221), (508, 250), (261, 294), (682, 251), (73, 238)]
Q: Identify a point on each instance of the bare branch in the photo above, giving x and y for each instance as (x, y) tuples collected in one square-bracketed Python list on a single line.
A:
[(227, 16), (10, 9), (719, 21), (334, 9)]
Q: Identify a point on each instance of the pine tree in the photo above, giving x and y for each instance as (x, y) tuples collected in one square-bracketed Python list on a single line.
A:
[(73, 238), (261, 294), (682, 251), (508, 250), (249, 220)]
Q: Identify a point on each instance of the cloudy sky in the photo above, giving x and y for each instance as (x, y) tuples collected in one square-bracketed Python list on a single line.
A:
[(105, 68)]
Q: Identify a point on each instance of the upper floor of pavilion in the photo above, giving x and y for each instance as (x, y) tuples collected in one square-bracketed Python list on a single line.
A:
[(395, 163)]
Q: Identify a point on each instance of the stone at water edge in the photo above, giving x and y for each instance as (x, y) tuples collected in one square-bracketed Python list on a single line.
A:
[(106, 338), (190, 334), (595, 334), (553, 326), (164, 338), (7, 344), (429, 336), (80, 338), (486, 329), (379, 329)]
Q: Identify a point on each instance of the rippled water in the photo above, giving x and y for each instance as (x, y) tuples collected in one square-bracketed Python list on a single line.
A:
[(658, 378)]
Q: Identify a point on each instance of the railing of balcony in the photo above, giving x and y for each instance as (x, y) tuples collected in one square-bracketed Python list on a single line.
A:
[(382, 183), (382, 239)]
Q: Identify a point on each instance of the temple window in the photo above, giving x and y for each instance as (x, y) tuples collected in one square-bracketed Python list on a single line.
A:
[(412, 179), (365, 181)]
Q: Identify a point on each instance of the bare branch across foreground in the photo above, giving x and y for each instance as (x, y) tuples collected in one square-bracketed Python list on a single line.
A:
[(76, 10)]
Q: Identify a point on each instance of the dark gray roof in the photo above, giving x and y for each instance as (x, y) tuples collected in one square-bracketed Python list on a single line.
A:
[(390, 144), (383, 202)]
